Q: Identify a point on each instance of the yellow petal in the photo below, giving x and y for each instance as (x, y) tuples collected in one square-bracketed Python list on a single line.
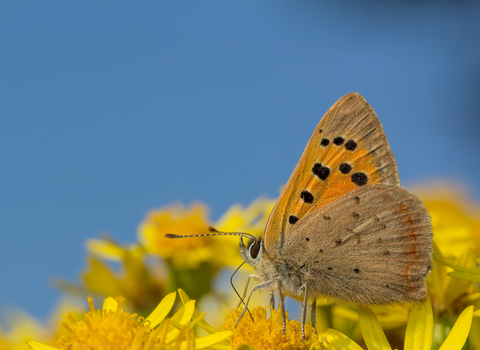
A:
[(438, 257), (224, 347), (197, 319), (39, 346), (437, 280), (208, 340), (459, 333), (336, 340), (202, 323), (110, 304), (183, 296), (187, 312), (104, 249), (371, 330), (476, 313), (471, 298), (464, 276), (458, 287), (162, 309), (420, 327), (342, 312), (100, 279), (182, 316)]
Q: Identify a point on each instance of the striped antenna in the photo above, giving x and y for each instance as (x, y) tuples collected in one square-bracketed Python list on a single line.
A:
[(215, 233)]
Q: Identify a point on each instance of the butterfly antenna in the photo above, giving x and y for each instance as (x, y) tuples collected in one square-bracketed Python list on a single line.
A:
[(214, 233), (231, 282)]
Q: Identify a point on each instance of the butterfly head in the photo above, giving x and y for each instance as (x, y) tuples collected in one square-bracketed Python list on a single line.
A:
[(252, 251)]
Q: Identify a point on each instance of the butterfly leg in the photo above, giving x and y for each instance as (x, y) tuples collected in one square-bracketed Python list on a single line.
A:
[(272, 302), (304, 310), (258, 286), (245, 290), (281, 302), (313, 315)]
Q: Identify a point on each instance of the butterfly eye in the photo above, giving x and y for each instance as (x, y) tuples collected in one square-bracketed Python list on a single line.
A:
[(254, 249)]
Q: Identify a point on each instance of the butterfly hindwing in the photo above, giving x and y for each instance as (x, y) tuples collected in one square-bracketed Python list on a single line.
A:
[(370, 246), (347, 150)]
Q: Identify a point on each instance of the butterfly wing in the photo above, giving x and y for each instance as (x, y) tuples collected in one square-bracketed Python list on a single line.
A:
[(370, 246), (347, 150)]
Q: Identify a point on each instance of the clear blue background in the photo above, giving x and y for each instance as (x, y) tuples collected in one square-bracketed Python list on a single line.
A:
[(109, 109)]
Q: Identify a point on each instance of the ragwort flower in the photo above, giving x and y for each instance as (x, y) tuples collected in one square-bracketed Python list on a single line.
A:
[(452, 284), (190, 253), (113, 328), (21, 327), (193, 262), (418, 336), (139, 282), (267, 333)]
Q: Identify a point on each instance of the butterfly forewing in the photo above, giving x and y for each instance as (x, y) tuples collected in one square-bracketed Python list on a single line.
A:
[(347, 150)]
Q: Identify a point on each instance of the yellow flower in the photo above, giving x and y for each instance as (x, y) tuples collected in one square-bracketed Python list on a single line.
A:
[(451, 284), (451, 291), (418, 336), (21, 327), (455, 218), (147, 269), (267, 334), (140, 283), (113, 328), (251, 219), (194, 261), (189, 253)]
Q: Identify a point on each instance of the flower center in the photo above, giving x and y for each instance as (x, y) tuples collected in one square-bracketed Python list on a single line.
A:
[(266, 334), (104, 329)]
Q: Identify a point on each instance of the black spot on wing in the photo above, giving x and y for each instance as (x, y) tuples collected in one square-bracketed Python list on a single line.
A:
[(306, 196), (359, 179), (321, 171), (345, 168), (338, 141), (292, 219), (325, 142), (350, 145)]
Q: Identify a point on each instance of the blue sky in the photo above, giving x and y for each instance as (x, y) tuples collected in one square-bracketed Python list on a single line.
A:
[(110, 109)]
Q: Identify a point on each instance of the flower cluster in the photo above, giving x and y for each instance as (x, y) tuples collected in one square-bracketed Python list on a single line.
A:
[(113, 328), (151, 267)]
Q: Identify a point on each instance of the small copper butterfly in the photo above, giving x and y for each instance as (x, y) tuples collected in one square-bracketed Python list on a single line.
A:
[(342, 226)]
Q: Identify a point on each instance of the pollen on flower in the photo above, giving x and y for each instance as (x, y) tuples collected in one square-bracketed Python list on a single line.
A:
[(266, 334), (103, 329)]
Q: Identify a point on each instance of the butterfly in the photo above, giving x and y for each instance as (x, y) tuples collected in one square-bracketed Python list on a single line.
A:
[(343, 227)]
